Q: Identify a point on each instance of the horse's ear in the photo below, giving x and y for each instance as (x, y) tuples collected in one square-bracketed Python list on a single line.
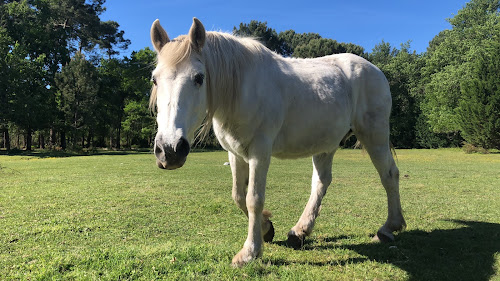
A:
[(159, 36), (197, 35)]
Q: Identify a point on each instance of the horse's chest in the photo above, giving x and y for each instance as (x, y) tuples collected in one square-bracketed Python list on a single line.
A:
[(229, 140)]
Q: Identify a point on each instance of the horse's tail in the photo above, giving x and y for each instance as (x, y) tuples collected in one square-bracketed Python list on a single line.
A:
[(359, 145), (393, 150)]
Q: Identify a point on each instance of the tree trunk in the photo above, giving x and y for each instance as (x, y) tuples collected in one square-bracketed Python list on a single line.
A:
[(52, 137), (63, 140), (111, 139), (75, 123), (28, 139), (41, 141), (90, 139), (118, 132), (6, 139)]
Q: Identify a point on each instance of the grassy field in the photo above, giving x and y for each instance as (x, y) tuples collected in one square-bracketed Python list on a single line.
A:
[(115, 216)]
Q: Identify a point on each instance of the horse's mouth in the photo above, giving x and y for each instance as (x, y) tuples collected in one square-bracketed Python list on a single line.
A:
[(170, 165)]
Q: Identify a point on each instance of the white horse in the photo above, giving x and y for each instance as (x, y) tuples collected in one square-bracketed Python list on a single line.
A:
[(261, 105)]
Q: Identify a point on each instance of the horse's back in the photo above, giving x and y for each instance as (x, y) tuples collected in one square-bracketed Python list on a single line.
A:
[(343, 92), (317, 97)]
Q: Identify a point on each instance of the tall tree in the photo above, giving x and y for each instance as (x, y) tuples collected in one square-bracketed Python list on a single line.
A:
[(55, 30), (113, 94), (5, 82), (259, 30), (138, 123), (28, 92), (78, 87), (110, 38), (479, 109), (452, 62)]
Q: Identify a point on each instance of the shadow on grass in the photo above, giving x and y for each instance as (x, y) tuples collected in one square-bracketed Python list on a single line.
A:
[(466, 253)]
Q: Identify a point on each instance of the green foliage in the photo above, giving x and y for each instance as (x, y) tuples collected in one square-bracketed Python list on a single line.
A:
[(318, 48), (5, 72), (382, 53), (138, 123), (442, 99), (78, 87), (479, 108), (113, 94), (460, 77), (293, 40), (290, 43), (39, 37), (264, 34), (426, 138), (324, 47), (26, 91)]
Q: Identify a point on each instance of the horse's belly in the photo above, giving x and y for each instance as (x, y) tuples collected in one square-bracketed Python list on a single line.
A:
[(310, 139)]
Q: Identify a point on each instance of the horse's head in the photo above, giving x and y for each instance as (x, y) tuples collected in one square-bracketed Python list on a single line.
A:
[(179, 93)]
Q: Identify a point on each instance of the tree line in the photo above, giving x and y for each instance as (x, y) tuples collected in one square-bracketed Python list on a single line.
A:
[(63, 85)]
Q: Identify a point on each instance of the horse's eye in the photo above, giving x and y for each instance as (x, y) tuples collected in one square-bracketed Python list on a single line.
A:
[(153, 79), (198, 79)]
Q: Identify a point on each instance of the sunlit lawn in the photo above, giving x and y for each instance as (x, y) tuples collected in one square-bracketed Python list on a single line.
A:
[(117, 216)]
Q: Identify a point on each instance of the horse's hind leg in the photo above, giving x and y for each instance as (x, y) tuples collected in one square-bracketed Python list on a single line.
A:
[(321, 179), (240, 171), (378, 147)]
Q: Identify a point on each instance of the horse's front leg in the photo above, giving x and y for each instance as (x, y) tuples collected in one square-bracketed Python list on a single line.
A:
[(239, 169), (258, 165), (240, 172)]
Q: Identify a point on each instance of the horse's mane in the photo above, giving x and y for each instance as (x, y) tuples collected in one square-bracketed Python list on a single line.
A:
[(225, 57)]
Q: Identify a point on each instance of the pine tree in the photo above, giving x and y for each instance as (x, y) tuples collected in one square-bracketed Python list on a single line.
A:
[(479, 111), (78, 87)]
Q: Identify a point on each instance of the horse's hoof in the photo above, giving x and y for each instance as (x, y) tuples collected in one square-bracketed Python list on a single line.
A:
[(295, 241), (268, 237), (384, 237)]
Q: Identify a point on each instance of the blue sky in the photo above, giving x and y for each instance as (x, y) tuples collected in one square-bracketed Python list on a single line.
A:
[(361, 22)]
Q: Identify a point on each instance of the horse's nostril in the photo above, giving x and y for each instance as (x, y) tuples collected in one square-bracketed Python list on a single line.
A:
[(159, 153), (182, 148)]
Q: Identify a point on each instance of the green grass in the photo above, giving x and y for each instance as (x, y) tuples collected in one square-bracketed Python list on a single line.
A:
[(119, 217)]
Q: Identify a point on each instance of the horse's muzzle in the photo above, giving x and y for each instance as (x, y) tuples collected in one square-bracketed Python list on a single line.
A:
[(171, 157)]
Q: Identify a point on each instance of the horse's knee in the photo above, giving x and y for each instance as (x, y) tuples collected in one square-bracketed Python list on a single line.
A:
[(255, 202), (240, 200), (326, 180), (393, 173), (390, 177), (321, 185)]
